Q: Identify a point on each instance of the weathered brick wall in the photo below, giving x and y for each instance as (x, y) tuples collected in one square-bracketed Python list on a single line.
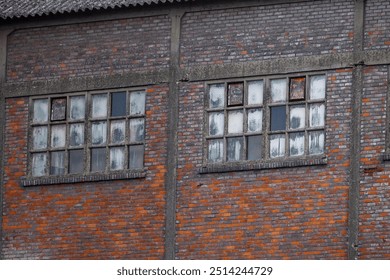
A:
[(267, 32), (374, 234), (107, 220), (103, 48), (377, 24)]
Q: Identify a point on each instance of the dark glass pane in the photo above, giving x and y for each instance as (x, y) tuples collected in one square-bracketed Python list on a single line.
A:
[(136, 157), (58, 109), (98, 159), (118, 104), (278, 118), (254, 147), (235, 149), (76, 161), (57, 163)]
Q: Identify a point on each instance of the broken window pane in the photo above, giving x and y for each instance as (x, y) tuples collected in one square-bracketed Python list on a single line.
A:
[(137, 130), (297, 144), (137, 103), (216, 124), (58, 109), (57, 163), (255, 92), (316, 142), (317, 87), (39, 164), (117, 158), (255, 120), (99, 106), (317, 115), (136, 156), (76, 132), (254, 147), (77, 107), (98, 159), (118, 104), (235, 123), (278, 90), (40, 137), (297, 117), (58, 133), (76, 161), (297, 88), (217, 96), (215, 150), (235, 149), (99, 133), (235, 94), (118, 132), (41, 110), (278, 118), (277, 145)]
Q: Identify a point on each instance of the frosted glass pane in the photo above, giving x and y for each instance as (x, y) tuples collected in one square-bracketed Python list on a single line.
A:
[(278, 118), (76, 161), (254, 145), (117, 132), (137, 103), (137, 130), (217, 96), (255, 120), (98, 159), (99, 106), (117, 158), (58, 109), (118, 104), (317, 87), (77, 107), (236, 122), (39, 164), (297, 144), (57, 163), (41, 110), (255, 92), (317, 115), (297, 117), (316, 142), (235, 149), (215, 150), (58, 133), (76, 135), (277, 145), (136, 156), (99, 133), (40, 137), (216, 124), (278, 90)]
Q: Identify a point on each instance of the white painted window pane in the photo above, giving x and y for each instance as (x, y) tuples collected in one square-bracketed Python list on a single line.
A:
[(255, 92), (99, 106), (99, 133), (255, 120), (40, 137), (58, 133), (117, 132), (39, 164), (136, 156), (297, 144), (317, 115), (137, 103), (117, 158), (216, 150), (217, 96), (297, 117), (316, 142), (77, 107), (57, 163), (317, 87), (137, 130), (236, 121), (277, 145), (278, 90), (41, 110), (216, 124), (235, 149), (76, 135)]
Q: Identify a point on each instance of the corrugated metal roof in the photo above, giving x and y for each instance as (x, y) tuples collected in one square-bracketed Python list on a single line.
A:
[(23, 8)]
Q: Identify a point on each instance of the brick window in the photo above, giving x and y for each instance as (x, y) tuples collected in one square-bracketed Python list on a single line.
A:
[(90, 133), (265, 119)]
